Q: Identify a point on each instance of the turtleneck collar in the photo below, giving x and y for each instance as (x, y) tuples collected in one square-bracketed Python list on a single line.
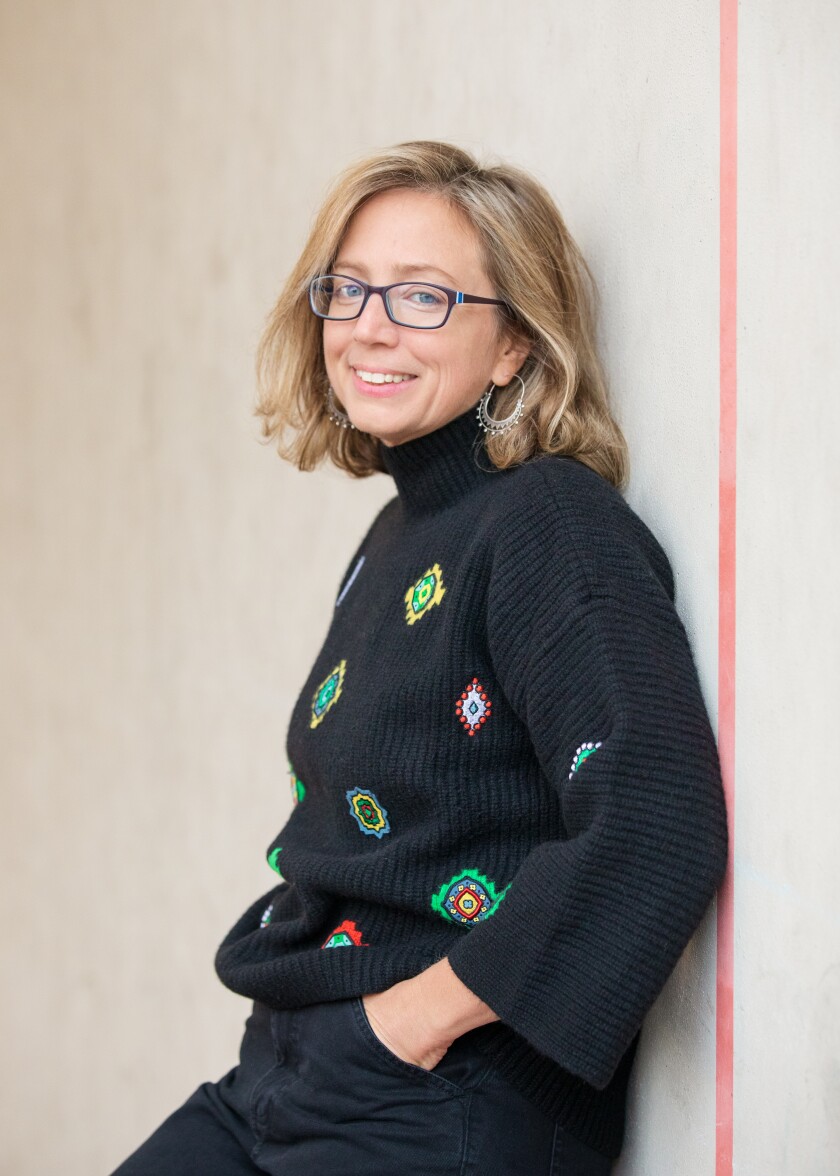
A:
[(440, 467)]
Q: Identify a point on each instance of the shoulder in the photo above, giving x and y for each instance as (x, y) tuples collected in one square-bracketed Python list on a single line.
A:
[(557, 509)]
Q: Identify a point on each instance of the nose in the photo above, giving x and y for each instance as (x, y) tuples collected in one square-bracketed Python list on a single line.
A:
[(373, 324)]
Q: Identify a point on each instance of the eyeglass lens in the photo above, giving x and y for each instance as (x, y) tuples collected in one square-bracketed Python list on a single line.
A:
[(411, 303)]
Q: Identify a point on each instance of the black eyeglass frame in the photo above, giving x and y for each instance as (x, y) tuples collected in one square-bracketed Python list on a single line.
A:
[(454, 298)]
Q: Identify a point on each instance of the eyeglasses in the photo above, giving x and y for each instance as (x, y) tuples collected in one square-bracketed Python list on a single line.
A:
[(423, 305)]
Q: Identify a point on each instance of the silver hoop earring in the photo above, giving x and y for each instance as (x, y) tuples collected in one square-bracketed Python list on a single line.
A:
[(493, 427), (334, 412)]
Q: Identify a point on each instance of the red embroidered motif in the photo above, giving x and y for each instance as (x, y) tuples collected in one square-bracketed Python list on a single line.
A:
[(473, 707)]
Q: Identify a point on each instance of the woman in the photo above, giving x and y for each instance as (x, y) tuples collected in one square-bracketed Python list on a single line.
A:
[(507, 809)]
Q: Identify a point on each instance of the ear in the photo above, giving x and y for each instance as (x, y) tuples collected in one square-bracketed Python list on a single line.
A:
[(514, 349)]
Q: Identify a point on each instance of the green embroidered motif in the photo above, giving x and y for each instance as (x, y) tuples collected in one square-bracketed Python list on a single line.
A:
[(467, 898), (297, 787), (266, 915), (272, 859), (424, 594), (327, 693), (369, 813), (583, 753)]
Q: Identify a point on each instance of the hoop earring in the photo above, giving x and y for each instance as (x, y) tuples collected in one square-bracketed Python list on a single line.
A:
[(493, 427), (334, 412)]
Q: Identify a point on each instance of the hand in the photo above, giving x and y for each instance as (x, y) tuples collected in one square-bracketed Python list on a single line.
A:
[(393, 1016), (419, 1018)]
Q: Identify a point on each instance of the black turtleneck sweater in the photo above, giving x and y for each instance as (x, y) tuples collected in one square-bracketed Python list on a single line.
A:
[(502, 756)]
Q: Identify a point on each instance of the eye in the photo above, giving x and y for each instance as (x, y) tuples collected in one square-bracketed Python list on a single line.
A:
[(347, 291), (423, 296)]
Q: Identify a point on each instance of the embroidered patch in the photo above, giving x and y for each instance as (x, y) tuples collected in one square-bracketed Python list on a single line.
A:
[(583, 752), (297, 787), (272, 858), (346, 934), (327, 693), (467, 898), (424, 594), (369, 813), (266, 915), (473, 707)]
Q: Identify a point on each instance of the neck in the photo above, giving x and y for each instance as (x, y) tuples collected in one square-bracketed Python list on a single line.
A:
[(437, 469)]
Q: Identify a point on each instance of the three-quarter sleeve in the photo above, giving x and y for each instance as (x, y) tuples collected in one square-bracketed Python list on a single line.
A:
[(588, 649)]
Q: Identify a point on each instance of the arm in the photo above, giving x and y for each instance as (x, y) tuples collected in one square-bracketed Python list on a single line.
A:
[(587, 647)]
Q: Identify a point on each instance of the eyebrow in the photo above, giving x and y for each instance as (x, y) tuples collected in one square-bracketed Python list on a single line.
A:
[(407, 270)]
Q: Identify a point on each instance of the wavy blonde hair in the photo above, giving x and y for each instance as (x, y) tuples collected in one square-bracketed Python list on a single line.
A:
[(533, 264)]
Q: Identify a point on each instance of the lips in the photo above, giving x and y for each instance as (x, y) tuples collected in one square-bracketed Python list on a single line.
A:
[(380, 385), (382, 376)]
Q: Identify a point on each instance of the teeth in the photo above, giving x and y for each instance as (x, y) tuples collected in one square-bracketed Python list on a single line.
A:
[(380, 377)]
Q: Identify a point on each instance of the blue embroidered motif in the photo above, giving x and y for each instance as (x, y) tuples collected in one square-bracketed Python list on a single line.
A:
[(369, 813), (353, 575)]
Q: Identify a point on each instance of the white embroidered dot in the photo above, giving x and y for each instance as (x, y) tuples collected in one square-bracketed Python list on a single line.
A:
[(583, 747)]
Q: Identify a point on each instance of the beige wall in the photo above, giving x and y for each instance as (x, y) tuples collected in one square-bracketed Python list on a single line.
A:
[(166, 581), (787, 963)]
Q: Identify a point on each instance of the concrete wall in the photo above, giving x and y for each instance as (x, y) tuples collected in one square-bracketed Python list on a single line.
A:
[(787, 958), (166, 581)]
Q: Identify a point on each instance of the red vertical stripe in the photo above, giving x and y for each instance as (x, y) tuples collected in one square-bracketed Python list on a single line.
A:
[(726, 565)]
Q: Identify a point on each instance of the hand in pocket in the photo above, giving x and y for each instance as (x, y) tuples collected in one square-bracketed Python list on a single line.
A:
[(398, 1022)]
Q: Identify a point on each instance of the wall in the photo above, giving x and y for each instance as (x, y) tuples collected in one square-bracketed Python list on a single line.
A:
[(787, 957), (167, 581)]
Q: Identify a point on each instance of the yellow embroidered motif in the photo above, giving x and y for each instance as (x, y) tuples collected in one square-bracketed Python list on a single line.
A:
[(424, 593), (327, 693)]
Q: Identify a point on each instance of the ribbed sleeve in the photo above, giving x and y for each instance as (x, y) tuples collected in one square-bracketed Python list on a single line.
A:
[(587, 646)]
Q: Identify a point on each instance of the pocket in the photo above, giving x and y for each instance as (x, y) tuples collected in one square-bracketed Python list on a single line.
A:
[(462, 1069), (347, 1104), (398, 1064)]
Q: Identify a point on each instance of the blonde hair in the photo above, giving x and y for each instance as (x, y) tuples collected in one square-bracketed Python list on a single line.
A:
[(533, 264)]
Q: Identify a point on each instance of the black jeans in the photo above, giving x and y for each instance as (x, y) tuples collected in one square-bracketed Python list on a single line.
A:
[(316, 1093)]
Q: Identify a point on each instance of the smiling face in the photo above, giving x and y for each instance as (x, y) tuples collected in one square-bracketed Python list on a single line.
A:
[(434, 375)]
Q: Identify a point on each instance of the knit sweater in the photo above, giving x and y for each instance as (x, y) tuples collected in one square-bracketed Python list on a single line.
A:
[(502, 756)]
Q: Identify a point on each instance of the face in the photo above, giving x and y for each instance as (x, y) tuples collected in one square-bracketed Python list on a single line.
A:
[(403, 234)]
